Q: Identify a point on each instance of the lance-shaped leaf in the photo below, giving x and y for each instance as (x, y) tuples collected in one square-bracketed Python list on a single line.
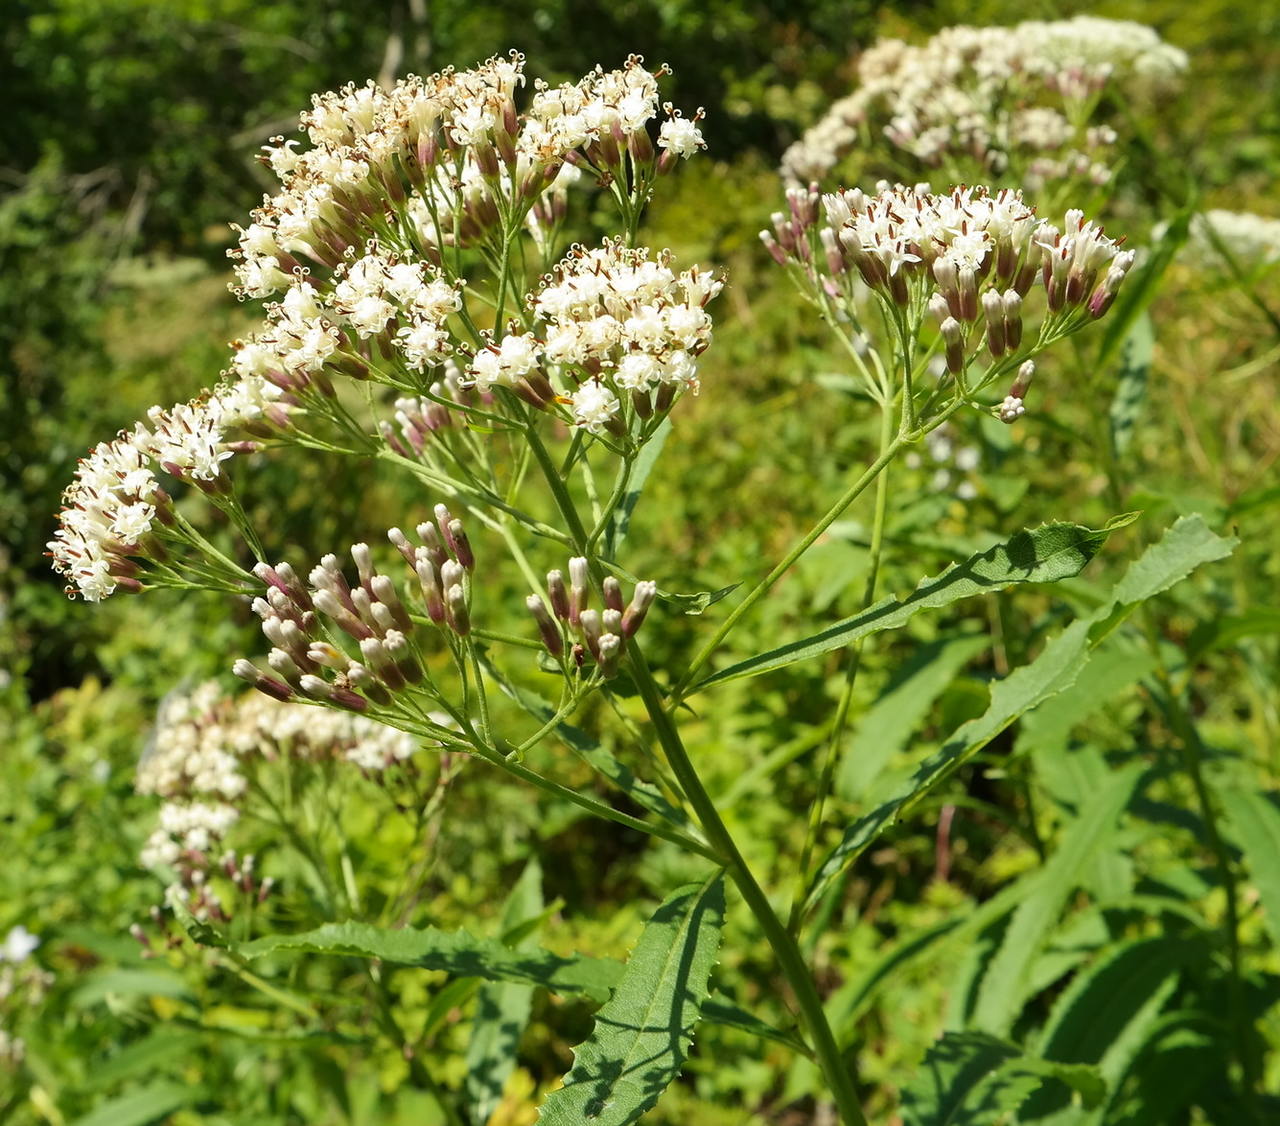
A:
[(502, 1007), (642, 1036), (1006, 984), (638, 476), (1185, 546), (1253, 821), (1042, 555), (453, 952), (970, 1077)]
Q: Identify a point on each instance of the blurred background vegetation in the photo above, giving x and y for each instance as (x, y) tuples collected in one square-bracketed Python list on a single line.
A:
[(128, 143)]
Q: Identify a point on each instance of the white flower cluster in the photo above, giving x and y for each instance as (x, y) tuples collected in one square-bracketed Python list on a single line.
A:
[(379, 298), (446, 144), (617, 322), (1252, 240), (1012, 99), (115, 501), (195, 762)]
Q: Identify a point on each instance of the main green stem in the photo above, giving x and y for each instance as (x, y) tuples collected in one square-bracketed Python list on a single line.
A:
[(853, 663), (790, 959)]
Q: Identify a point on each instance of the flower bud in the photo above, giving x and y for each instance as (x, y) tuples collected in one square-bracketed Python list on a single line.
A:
[(590, 625), (547, 627), (609, 650), (364, 563), (1012, 305), (579, 588), (384, 590), (461, 545), (641, 600), (953, 338), (401, 543), (429, 581), (611, 621), (1023, 380), (452, 574), (248, 671), (612, 593), (993, 312), (315, 688), (281, 662), (459, 616), (559, 595)]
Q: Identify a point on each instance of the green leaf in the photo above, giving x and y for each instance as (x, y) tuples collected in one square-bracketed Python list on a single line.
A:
[(1045, 554), (1183, 547), (952, 1086), (453, 952), (1108, 1012), (502, 1007), (640, 470), (1254, 824), (642, 1036), (718, 1009), (140, 1107), (889, 723), (1131, 390), (130, 983), (973, 1079), (1004, 988)]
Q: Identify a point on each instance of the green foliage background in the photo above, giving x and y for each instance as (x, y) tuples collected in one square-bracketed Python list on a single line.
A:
[(127, 144)]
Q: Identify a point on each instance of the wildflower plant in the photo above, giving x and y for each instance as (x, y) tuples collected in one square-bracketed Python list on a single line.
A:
[(421, 311)]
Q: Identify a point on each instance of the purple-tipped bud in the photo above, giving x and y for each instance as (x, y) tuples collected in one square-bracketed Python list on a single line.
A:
[(609, 652), (327, 603), (1012, 305), (953, 339), (384, 590), (358, 676), (401, 543), (547, 627), (579, 588), (401, 652), (452, 574), (315, 688), (590, 625), (1023, 380), (248, 671), (286, 666), (443, 519), (461, 545), (641, 600), (559, 595), (345, 698), (459, 616), (432, 592), (363, 561), (612, 593), (993, 312)]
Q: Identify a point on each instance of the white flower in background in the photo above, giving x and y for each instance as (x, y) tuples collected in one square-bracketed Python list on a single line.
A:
[(1253, 241), (19, 945), (994, 94)]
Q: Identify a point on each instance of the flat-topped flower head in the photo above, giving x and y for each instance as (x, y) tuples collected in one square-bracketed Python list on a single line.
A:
[(1013, 101)]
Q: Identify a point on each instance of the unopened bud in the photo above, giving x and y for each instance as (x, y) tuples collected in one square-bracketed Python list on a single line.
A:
[(459, 616), (612, 593), (953, 339), (993, 312), (461, 545), (589, 623), (1011, 409), (401, 543), (641, 600), (559, 595), (609, 650), (547, 627), (363, 561), (429, 581), (316, 688), (1023, 380), (579, 588), (384, 590)]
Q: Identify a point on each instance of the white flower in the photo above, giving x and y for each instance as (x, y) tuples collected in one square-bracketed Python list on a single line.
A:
[(681, 136), (19, 945), (594, 406)]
